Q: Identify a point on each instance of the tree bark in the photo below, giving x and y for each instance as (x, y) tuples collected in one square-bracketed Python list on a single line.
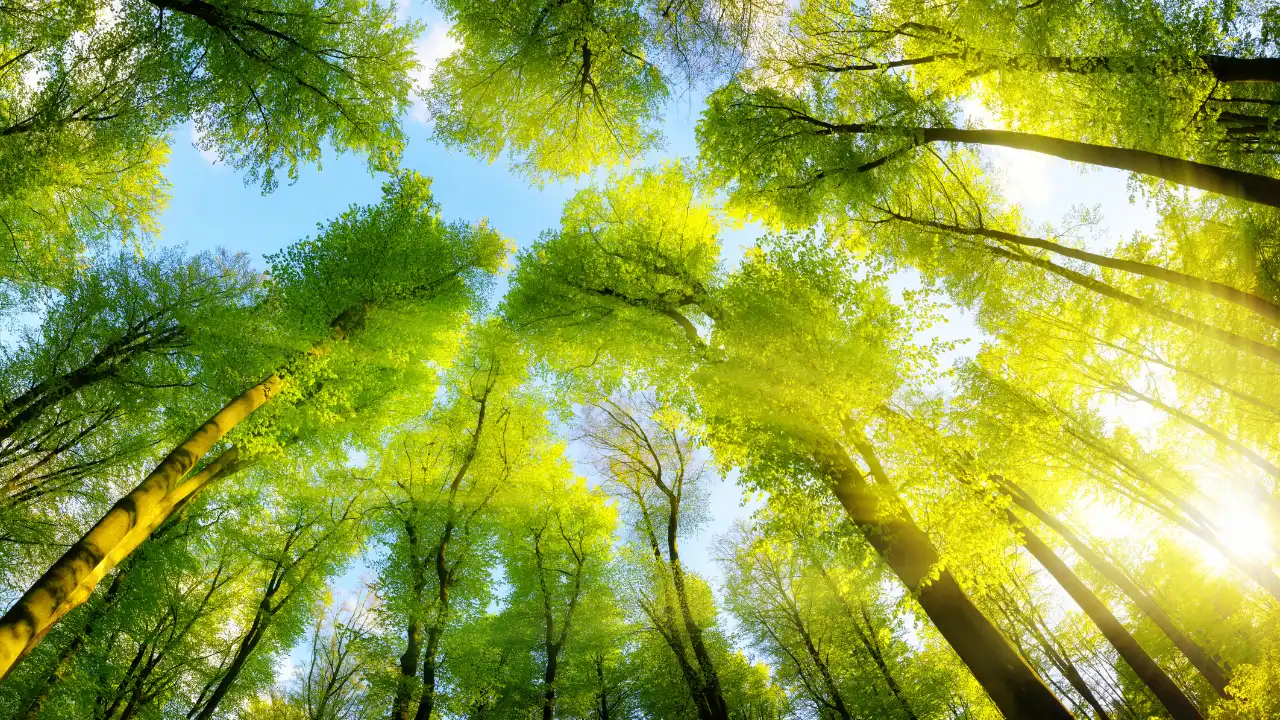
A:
[(36, 705), (248, 644), (1027, 617), (427, 702), (1012, 685), (603, 698), (1199, 657), (413, 633), (62, 587), (1248, 70), (1238, 184), (1210, 178), (710, 678), (1263, 308), (1161, 685)]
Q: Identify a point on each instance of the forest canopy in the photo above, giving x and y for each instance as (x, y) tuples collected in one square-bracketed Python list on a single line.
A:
[(796, 411)]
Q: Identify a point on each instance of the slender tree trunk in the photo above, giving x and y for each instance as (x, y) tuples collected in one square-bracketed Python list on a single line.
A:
[(837, 700), (710, 678), (867, 638), (427, 703), (1199, 657), (1263, 308), (118, 695), (1211, 178), (603, 704), (1012, 685), (1270, 353), (248, 643), (1015, 614), (21, 410), (413, 633), (62, 587), (1223, 68), (549, 682), (1164, 689)]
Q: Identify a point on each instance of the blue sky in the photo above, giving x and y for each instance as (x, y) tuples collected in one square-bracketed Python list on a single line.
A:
[(212, 207)]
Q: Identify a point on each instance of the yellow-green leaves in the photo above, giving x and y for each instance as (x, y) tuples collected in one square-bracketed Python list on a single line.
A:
[(563, 87)]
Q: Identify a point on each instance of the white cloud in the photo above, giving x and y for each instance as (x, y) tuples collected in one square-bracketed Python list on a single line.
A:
[(429, 51)]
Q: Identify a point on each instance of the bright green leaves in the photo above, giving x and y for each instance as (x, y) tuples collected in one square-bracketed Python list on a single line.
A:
[(397, 281), (563, 86), (791, 158), (639, 256), (278, 81), (809, 336), (389, 254), (88, 93)]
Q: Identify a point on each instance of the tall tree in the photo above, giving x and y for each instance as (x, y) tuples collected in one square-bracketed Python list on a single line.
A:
[(397, 257), (798, 410)]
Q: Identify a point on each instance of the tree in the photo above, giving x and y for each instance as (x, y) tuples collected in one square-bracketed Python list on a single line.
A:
[(556, 559), (88, 92), (750, 362), (568, 86), (651, 463), (393, 256)]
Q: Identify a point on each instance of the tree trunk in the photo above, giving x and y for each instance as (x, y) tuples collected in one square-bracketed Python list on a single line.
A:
[(1210, 178), (413, 633), (1012, 685), (247, 645), (549, 682), (1252, 187), (837, 700), (1164, 689), (1263, 308), (867, 638), (36, 705), (1248, 70), (604, 690), (106, 362), (1198, 656), (1027, 616), (427, 703), (63, 586), (710, 678)]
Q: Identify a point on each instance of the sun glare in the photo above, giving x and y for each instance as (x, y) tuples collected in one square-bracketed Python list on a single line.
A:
[(1242, 527)]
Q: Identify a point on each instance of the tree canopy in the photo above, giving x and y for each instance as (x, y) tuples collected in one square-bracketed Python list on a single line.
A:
[(992, 464)]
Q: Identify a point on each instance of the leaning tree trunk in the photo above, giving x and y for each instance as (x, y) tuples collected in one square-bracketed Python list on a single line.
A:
[(1211, 178), (1012, 685), (1252, 187), (71, 579), (1198, 656), (1260, 306), (1161, 685)]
